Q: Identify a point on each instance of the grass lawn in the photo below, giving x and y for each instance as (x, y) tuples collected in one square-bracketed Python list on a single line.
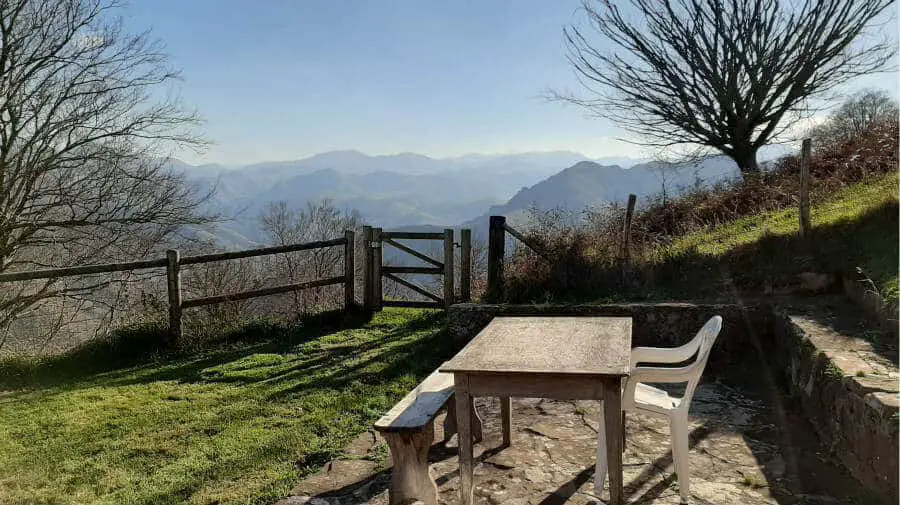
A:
[(856, 227), (237, 425)]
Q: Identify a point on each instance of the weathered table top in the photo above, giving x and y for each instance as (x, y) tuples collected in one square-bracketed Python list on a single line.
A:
[(599, 346)]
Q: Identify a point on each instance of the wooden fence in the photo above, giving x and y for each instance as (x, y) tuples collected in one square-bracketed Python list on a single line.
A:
[(805, 153), (498, 228), (375, 270), (173, 263)]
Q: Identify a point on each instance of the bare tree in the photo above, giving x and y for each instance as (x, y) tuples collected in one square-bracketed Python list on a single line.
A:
[(81, 176), (854, 117), (666, 173), (726, 74), (320, 220)]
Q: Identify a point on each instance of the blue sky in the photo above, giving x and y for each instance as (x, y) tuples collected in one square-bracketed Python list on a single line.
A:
[(284, 79)]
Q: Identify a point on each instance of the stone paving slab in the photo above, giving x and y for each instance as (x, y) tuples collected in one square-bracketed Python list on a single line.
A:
[(744, 450)]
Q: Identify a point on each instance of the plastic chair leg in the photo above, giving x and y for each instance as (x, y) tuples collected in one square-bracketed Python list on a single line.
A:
[(681, 455), (600, 470)]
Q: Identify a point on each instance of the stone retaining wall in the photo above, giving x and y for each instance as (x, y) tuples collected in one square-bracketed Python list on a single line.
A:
[(850, 395), (848, 392)]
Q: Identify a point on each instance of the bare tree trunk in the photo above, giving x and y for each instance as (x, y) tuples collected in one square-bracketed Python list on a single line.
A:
[(746, 160)]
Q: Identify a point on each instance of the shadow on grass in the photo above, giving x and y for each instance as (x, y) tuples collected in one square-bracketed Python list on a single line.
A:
[(141, 347), (350, 374), (390, 355), (833, 248), (775, 260)]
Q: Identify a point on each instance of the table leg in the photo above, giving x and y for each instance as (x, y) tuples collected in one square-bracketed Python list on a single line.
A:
[(506, 420), (464, 425), (612, 414)]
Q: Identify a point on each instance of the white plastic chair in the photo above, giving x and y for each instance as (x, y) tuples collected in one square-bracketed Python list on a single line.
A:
[(639, 397)]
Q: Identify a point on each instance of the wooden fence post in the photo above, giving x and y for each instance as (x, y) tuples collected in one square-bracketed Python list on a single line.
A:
[(378, 292), (448, 267), (349, 270), (465, 265), (625, 253), (173, 285), (496, 250), (368, 270), (804, 187)]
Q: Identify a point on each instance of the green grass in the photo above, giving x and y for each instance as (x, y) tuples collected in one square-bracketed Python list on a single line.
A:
[(237, 425), (856, 227), (848, 205)]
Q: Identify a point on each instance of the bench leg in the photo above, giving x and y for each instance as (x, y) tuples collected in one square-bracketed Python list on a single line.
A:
[(411, 478), (450, 426), (506, 420)]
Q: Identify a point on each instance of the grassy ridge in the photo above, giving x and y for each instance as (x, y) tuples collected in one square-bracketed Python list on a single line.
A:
[(237, 425), (856, 227), (757, 251)]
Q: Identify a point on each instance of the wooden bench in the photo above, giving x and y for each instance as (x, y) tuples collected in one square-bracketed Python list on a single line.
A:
[(408, 429)]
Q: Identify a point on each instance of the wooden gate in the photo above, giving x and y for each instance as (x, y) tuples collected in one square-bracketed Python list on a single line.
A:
[(375, 241)]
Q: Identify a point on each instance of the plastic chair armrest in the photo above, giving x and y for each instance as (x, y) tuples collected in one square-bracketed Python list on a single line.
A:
[(664, 354), (661, 375)]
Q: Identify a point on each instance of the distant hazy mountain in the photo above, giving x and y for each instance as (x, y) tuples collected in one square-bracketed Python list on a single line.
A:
[(393, 190), (590, 184), (587, 183), (415, 191)]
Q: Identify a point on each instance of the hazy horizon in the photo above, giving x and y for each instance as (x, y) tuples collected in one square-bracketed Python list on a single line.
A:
[(407, 153), (286, 80)]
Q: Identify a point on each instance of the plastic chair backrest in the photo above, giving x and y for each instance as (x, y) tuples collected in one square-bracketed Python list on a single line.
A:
[(706, 337)]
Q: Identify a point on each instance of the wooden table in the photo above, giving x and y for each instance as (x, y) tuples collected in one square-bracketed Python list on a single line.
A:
[(565, 358)]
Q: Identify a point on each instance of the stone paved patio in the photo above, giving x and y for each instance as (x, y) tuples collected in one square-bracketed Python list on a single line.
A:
[(748, 445)]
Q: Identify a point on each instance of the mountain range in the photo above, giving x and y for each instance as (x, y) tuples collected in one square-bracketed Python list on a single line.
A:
[(414, 191)]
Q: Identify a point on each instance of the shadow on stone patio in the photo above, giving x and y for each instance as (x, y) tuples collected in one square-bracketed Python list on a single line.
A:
[(749, 445)]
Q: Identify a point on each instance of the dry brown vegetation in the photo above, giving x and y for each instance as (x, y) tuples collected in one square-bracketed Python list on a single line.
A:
[(585, 249)]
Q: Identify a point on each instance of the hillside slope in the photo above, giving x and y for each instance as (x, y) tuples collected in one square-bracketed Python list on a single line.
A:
[(761, 253), (855, 228)]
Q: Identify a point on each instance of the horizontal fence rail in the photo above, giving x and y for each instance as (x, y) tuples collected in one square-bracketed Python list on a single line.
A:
[(206, 258), (411, 304), (244, 295), (412, 235), (173, 263), (53, 273), (523, 239)]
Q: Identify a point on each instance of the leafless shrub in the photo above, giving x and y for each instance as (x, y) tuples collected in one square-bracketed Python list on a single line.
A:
[(319, 220), (862, 112)]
